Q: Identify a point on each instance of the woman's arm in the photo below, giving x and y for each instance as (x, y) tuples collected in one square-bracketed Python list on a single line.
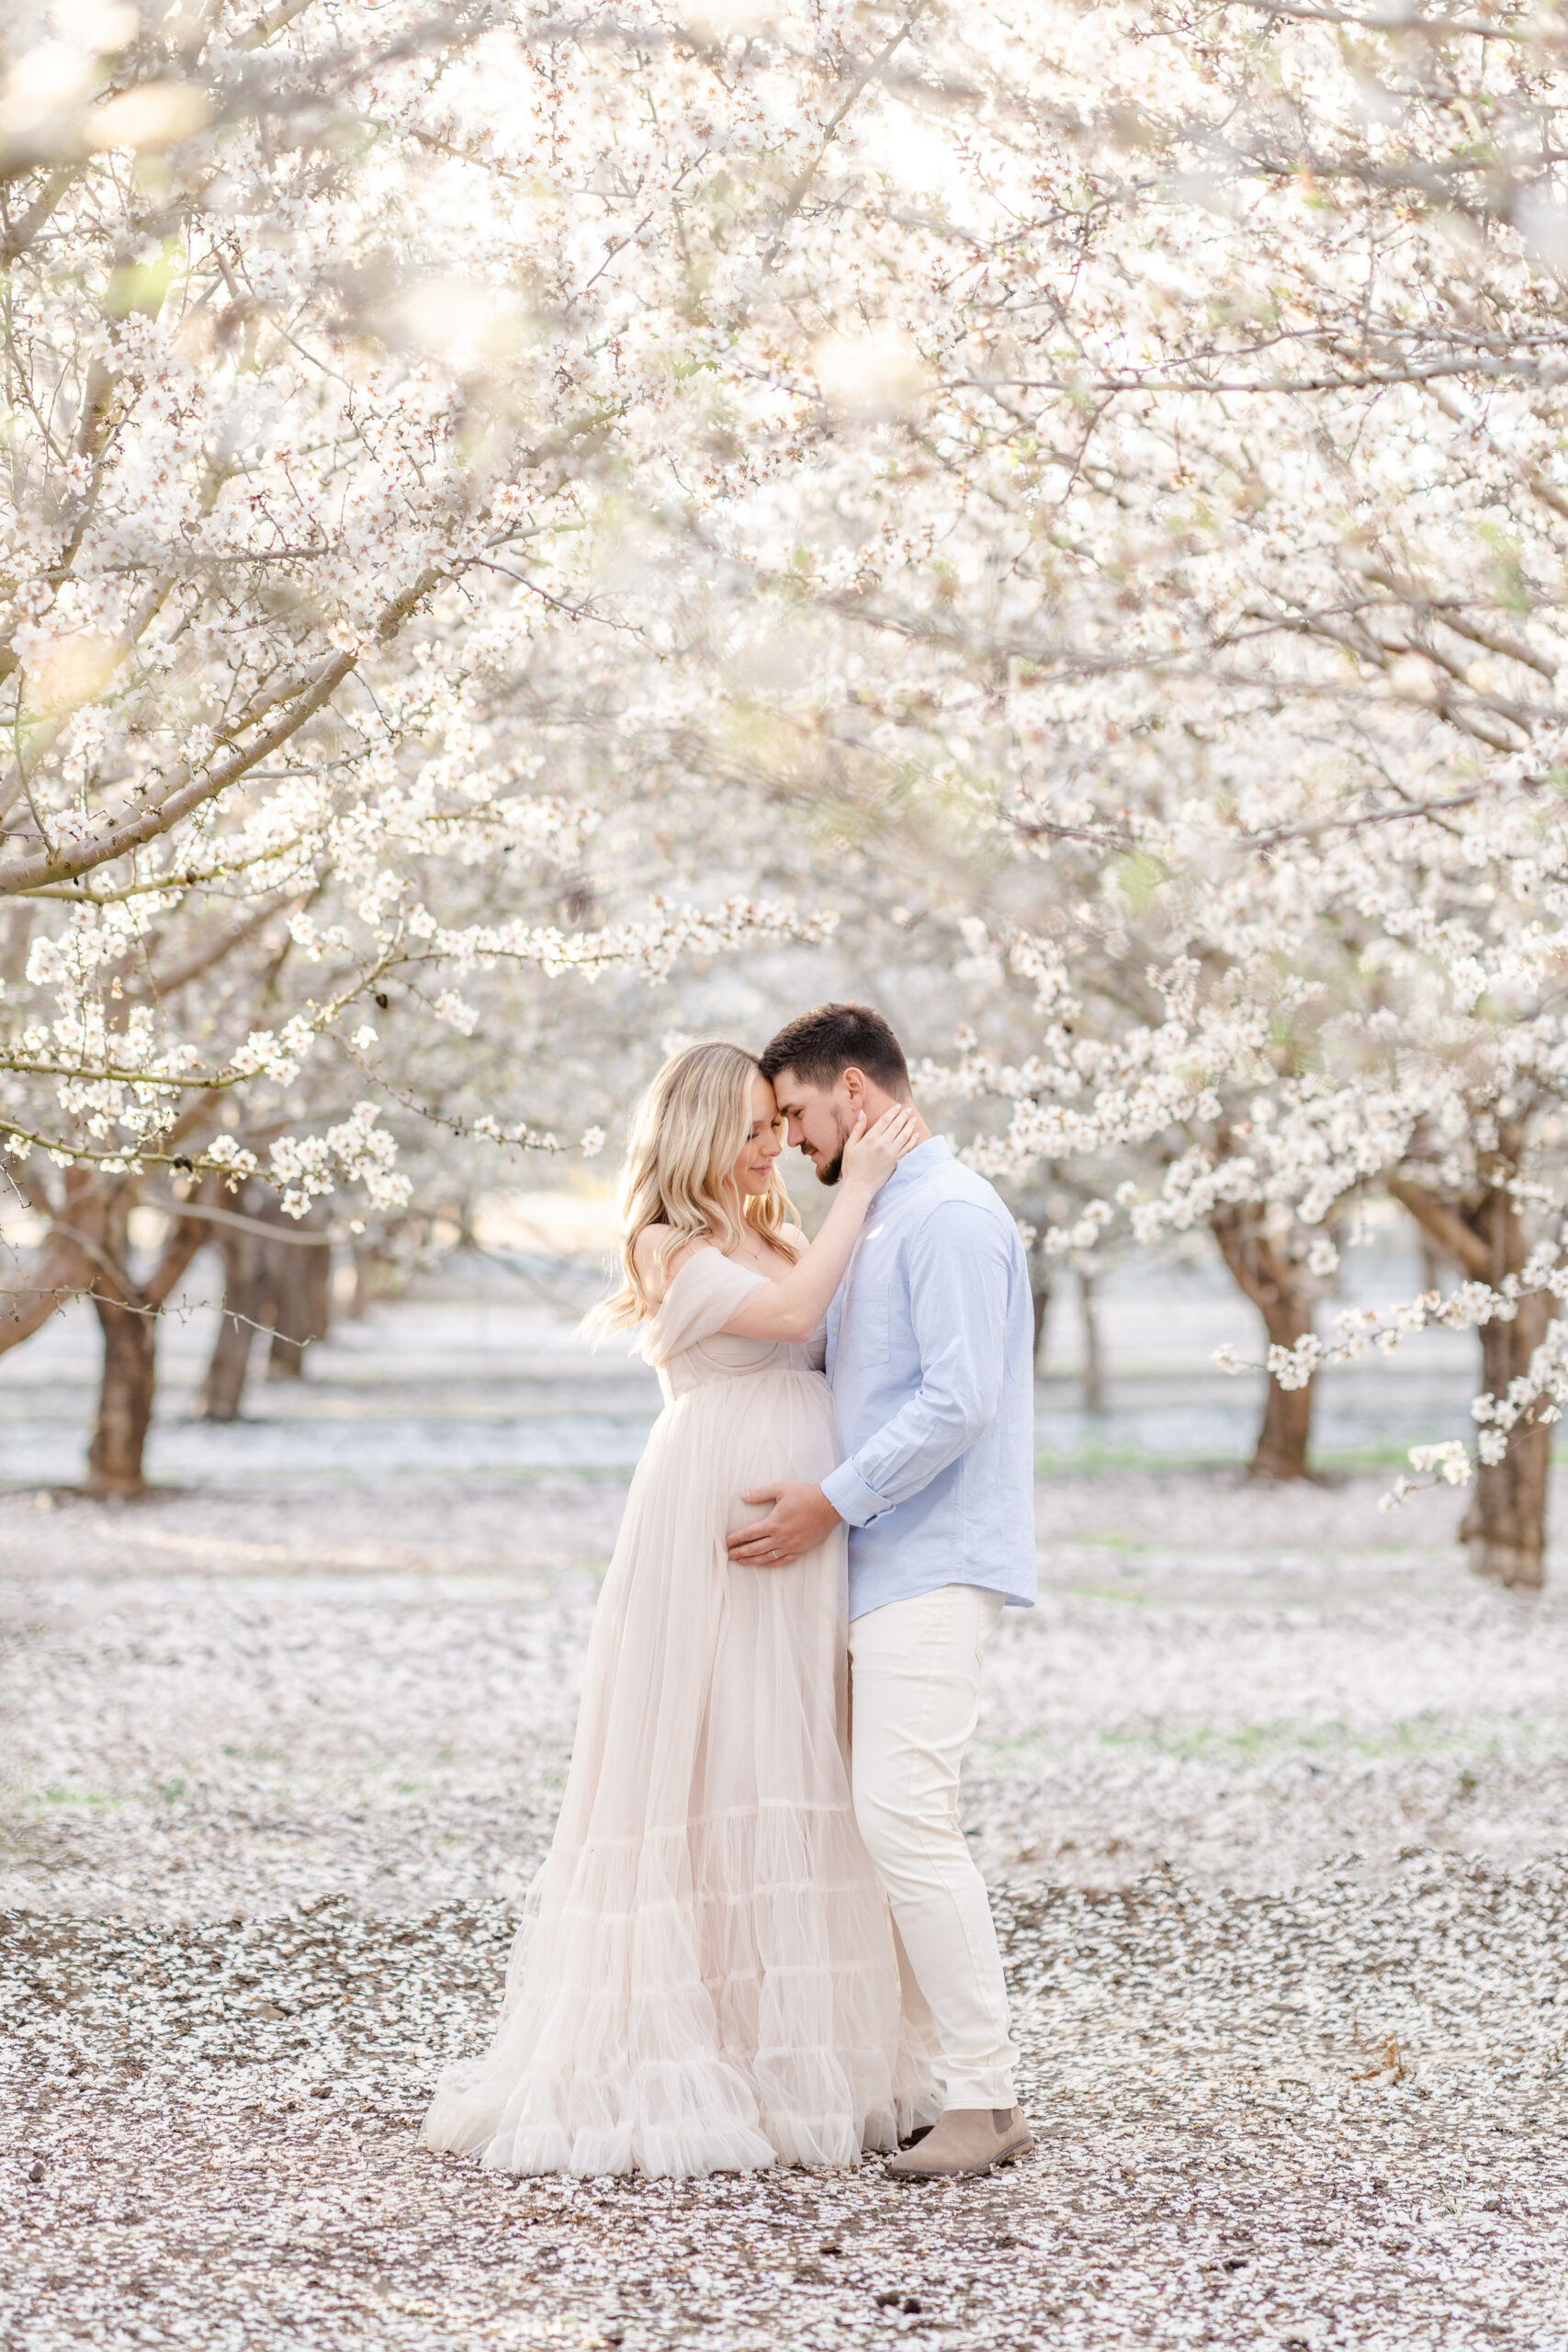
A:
[(792, 1307)]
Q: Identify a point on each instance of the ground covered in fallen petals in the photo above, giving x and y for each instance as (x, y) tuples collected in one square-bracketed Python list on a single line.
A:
[(1274, 1798), (1332, 2118)]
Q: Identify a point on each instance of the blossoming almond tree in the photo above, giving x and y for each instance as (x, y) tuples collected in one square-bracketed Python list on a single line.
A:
[(312, 417), (1400, 513), (1246, 618), (1176, 437)]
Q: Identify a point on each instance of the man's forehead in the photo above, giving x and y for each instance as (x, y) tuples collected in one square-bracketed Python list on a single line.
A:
[(794, 1092)]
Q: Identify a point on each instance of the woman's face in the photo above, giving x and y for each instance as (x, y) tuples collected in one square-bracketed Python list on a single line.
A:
[(753, 1169)]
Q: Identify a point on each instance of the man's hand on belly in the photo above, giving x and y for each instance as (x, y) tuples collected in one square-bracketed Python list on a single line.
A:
[(801, 1518)]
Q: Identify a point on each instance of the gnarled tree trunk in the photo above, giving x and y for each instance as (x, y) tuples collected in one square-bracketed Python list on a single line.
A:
[(275, 1277), (1039, 1294), (301, 1281), (127, 1315), (1091, 1382), (245, 1306), (125, 1394), (1504, 1527), (367, 1260), (66, 1268), (1281, 1292)]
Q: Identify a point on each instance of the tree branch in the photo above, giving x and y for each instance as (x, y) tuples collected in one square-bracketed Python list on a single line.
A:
[(1447, 1227), (180, 800)]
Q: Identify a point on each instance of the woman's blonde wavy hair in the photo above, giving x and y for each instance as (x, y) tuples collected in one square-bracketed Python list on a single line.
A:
[(689, 1128)]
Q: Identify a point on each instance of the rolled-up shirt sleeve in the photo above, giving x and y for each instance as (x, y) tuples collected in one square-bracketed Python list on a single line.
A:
[(958, 1275)]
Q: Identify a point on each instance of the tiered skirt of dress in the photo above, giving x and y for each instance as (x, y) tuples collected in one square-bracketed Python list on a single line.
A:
[(705, 1977)]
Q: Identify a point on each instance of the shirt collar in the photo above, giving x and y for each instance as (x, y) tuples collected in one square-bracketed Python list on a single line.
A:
[(925, 1155)]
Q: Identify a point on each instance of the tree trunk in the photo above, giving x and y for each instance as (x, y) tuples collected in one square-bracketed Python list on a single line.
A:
[(244, 1303), (1092, 1379), (127, 1315), (283, 1284), (1040, 1298), (125, 1397), (66, 1268), (1280, 1292), (363, 1268), (1284, 1441), (302, 1296), (1503, 1529)]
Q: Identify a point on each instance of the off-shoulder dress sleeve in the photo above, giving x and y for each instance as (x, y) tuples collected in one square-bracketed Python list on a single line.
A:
[(707, 1291)]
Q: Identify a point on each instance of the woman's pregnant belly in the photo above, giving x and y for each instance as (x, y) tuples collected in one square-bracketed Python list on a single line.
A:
[(726, 1436)]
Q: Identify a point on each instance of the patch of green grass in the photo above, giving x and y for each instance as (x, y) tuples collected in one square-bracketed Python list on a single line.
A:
[(1030, 1747)]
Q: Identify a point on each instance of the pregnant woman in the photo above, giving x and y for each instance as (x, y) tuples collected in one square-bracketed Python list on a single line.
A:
[(705, 1977)]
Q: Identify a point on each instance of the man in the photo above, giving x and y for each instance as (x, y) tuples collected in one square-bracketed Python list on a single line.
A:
[(931, 1346)]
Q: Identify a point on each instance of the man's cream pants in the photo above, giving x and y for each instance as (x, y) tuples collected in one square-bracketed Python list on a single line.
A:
[(914, 1676)]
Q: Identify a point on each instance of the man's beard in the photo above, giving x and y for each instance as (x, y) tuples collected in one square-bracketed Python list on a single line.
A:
[(829, 1171)]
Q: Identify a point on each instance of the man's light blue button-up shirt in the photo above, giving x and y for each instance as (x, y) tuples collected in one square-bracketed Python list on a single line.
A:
[(930, 1351)]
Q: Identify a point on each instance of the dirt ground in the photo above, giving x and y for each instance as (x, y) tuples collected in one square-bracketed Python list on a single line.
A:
[(1272, 1797)]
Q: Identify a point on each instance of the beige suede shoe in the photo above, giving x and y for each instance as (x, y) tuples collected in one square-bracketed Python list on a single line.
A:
[(967, 2140)]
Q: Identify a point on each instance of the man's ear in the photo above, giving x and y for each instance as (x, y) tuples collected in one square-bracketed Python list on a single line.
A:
[(853, 1083)]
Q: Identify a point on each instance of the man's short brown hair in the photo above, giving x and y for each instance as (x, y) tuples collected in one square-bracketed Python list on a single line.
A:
[(820, 1045)]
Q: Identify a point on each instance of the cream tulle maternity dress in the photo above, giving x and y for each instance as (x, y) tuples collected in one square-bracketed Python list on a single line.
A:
[(706, 1976)]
